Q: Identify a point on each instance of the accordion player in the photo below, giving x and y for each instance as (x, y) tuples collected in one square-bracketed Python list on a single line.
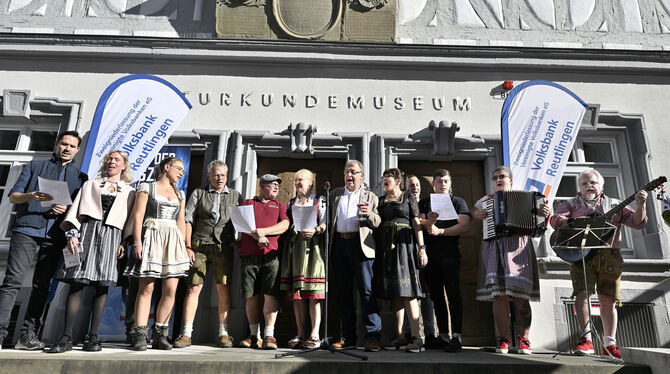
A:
[(513, 213)]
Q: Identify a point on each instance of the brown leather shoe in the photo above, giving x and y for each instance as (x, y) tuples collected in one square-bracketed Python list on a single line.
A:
[(251, 342), (371, 346), (269, 342), (343, 344), (224, 341), (182, 341)]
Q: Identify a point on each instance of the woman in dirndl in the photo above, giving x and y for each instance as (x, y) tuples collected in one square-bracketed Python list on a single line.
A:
[(303, 273), (159, 251), (400, 254), (94, 226), (509, 270)]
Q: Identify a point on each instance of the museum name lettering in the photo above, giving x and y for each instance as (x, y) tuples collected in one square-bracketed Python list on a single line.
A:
[(333, 101)]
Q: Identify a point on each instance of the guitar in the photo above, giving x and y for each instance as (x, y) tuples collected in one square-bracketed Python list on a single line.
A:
[(601, 225)]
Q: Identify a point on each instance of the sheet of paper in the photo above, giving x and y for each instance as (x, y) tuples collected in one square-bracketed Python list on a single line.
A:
[(304, 217), (243, 218), (441, 204), (57, 189), (70, 259)]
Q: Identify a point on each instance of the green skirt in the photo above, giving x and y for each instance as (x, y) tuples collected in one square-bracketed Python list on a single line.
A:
[(303, 273)]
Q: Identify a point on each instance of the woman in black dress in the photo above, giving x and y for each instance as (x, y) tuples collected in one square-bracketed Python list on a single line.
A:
[(400, 254)]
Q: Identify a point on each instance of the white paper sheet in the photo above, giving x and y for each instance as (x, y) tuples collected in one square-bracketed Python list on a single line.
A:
[(57, 189), (441, 204), (243, 218), (304, 217)]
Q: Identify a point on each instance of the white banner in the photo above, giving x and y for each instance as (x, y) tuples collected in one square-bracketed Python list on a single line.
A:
[(540, 121), (136, 114)]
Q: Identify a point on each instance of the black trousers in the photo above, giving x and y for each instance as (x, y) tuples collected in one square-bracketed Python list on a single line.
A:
[(443, 274)]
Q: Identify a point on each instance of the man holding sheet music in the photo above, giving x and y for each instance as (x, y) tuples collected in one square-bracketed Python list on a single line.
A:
[(36, 235), (259, 255), (209, 235), (444, 217)]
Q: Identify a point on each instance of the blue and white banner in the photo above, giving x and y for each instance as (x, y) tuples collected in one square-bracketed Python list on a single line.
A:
[(540, 121), (136, 114)]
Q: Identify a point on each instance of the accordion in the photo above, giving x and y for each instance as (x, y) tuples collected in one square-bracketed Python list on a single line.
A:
[(513, 213)]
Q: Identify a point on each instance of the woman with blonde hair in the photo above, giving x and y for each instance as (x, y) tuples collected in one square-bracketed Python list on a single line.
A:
[(158, 250), (302, 267), (96, 225)]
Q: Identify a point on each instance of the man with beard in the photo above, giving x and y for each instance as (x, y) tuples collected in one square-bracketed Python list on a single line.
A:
[(604, 269), (36, 235)]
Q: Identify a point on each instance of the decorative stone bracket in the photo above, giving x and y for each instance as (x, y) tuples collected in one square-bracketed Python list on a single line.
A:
[(444, 136), (301, 137)]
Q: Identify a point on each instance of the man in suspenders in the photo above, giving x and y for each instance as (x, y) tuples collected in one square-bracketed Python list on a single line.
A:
[(603, 271)]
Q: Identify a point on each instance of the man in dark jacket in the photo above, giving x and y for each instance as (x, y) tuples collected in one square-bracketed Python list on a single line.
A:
[(36, 235)]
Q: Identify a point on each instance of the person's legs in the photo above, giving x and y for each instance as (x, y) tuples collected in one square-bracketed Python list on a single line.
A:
[(190, 307), (435, 278), (300, 311), (73, 304), (412, 309), (48, 259), (363, 282), (145, 289), (608, 314), (315, 316), (99, 302), (501, 315), (22, 249), (452, 285), (166, 302), (523, 316), (342, 269)]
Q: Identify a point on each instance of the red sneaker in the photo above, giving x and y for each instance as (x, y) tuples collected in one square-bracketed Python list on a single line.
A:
[(584, 347), (524, 346), (503, 344), (614, 350)]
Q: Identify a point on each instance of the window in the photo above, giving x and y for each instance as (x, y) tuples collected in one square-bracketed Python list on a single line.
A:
[(607, 153)]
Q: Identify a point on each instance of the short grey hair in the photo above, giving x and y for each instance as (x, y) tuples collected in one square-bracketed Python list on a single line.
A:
[(504, 169), (588, 171), (216, 164), (352, 162)]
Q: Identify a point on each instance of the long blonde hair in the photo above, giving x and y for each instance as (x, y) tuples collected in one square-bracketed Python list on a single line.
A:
[(160, 170), (126, 175)]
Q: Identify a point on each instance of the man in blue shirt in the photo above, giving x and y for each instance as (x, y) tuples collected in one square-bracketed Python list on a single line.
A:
[(36, 235)]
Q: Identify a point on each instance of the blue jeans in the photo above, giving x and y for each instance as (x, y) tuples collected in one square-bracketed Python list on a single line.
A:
[(23, 249), (353, 269)]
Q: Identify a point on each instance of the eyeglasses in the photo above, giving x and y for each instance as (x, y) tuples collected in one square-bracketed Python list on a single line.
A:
[(352, 172), (387, 175), (273, 184), (499, 176)]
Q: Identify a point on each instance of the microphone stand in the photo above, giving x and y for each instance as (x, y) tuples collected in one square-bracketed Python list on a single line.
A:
[(325, 343)]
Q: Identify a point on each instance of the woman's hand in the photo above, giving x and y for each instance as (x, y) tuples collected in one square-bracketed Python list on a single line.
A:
[(191, 255), (431, 217), (72, 245), (263, 242), (137, 251), (544, 208), (308, 233), (423, 258), (478, 214), (120, 251)]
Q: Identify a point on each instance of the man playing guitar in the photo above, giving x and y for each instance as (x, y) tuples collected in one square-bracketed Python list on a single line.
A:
[(603, 269)]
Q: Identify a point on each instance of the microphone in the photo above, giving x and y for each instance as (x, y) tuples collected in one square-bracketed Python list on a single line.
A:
[(326, 185)]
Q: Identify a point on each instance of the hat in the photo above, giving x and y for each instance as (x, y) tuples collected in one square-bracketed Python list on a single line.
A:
[(269, 178)]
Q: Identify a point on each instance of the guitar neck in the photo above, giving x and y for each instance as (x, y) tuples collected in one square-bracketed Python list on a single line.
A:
[(647, 187)]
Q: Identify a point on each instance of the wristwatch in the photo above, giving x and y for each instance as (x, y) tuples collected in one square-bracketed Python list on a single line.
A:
[(422, 246)]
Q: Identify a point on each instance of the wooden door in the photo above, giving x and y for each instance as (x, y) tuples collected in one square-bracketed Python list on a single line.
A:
[(468, 182), (325, 170)]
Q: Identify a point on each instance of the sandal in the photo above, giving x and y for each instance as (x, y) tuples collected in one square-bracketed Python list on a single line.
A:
[(312, 342), (296, 342)]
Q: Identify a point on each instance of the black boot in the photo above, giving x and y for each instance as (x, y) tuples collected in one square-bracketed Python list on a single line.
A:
[(63, 344), (159, 338), (140, 338)]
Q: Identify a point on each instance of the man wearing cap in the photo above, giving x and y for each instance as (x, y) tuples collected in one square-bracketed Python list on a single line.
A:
[(259, 255), (354, 217), (209, 235)]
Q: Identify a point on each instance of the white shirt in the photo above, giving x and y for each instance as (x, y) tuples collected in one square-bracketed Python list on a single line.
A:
[(347, 211)]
